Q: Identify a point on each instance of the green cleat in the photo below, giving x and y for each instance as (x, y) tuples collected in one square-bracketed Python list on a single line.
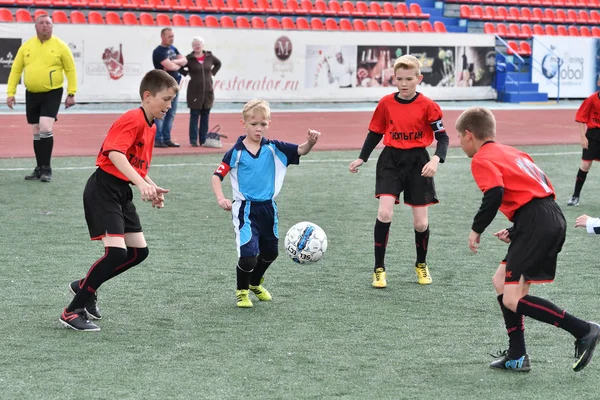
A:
[(261, 293), (243, 301)]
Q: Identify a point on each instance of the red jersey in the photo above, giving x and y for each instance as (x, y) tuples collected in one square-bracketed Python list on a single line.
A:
[(133, 135), (498, 165), (406, 124), (589, 111)]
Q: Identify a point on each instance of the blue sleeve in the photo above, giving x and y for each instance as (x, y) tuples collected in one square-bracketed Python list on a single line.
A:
[(158, 56), (227, 157), (175, 50), (290, 150)]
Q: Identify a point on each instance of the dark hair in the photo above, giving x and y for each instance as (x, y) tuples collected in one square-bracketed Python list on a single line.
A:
[(163, 30), (156, 81), (478, 120)]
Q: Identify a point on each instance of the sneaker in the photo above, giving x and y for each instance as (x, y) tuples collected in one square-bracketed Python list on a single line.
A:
[(261, 293), (171, 144), (379, 278), (243, 301), (36, 174), (503, 362), (574, 201), (77, 320), (585, 347), (45, 174), (91, 307), (423, 276), (162, 145)]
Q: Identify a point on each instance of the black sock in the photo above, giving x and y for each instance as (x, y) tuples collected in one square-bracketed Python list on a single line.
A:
[(37, 149), (382, 230), (135, 255), (46, 145), (546, 311), (97, 275), (516, 331), (421, 242), (244, 270), (579, 181), (261, 268)]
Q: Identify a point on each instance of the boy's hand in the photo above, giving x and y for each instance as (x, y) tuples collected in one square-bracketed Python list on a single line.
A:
[(503, 235), (148, 191), (430, 168), (159, 202), (474, 239), (225, 204), (581, 221), (355, 164), (584, 142), (312, 136)]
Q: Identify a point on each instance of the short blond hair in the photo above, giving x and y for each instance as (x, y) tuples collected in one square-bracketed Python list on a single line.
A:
[(479, 121), (256, 106), (407, 61)]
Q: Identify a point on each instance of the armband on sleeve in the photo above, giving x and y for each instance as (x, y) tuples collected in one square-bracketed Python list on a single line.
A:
[(222, 170)]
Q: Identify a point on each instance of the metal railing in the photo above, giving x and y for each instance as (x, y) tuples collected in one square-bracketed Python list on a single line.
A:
[(510, 61), (540, 69)]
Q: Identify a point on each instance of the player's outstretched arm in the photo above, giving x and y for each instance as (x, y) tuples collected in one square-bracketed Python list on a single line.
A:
[(120, 161), (223, 202), (312, 136)]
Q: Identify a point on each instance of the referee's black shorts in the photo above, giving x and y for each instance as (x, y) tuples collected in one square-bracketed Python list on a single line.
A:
[(539, 234), (108, 206), (399, 170), (42, 105)]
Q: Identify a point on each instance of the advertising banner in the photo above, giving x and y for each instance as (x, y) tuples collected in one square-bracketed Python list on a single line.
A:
[(290, 66)]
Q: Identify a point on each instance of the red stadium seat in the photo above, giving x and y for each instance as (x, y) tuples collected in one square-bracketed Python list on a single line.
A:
[(524, 48), (403, 9), (389, 8), (386, 26), (302, 24), (363, 8), (293, 6), (345, 25), (22, 15), (321, 8), (227, 22), (252, 7), (77, 17), (273, 23), (196, 20), (179, 20), (287, 23), (595, 31), (258, 23), (205, 6), (583, 17), (6, 15), (37, 13), (489, 28), (413, 26), (237, 7), (276, 7), (222, 7), (400, 26), (501, 30), (242, 22), (426, 27), (373, 26), (514, 14), (316, 24), (513, 30), (348, 7), (526, 31), (585, 31), (112, 18), (376, 8), (549, 15), (561, 31), (308, 6), (489, 13), (526, 15), (415, 8), (163, 20), (560, 16), (502, 14), (465, 11), (359, 25), (96, 4), (336, 7), (331, 25), (550, 30), (95, 18), (477, 13), (129, 18), (439, 27), (146, 19), (263, 5), (176, 5), (513, 47), (573, 31), (571, 17)]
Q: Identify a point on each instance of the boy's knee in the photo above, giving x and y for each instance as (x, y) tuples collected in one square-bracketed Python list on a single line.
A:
[(510, 302), (385, 214), (117, 255), (247, 264), (421, 225)]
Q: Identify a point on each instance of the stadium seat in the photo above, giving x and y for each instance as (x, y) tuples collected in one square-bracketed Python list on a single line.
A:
[(227, 22), (363, 8), (526, 31), (19, 3), (389, 8), (548, 15), (210, 21), (477, 13), (561, 30), (489, 28), (413, 26), (252, 7), (237, 7), (146, 19), (489, 13), (585, 31), (96, 4), (273, 23), (294, 7), (550, 30), (439, 27), (302, 24), (514, 31), (331, 25), (316, 24), (595, 31), (263, 5), (77, 3), (23, 15), (258, 23), (206, 7), (287, 23), (77, 17), (514, 14), (129, 4), (571, 17), (386, 26), (59, 17), (95, 18), (560, 16), (179, 20), (465, 11), (373, 26), (348, 7), (583, 17), (163, 20), (6, 15), (400, 26), (222, 7), (502, 14), (112, 18), (336, 7), (277, 7), (538, 15), (403, 9), (308, 6), (426, 27), (345, 25), (196, 20), (573, 31), (322, 8), (359, 25), (37, 13), (526, 15), (415, 8), (129, 18), (513, 47), (242, 22), (501, 30), (524, 48), (594, 17), (376, 8), (176, 5)]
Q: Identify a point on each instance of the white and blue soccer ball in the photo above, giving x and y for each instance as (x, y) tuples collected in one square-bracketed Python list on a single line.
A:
[(305, 242)]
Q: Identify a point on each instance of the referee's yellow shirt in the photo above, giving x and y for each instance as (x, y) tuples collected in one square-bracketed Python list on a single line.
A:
[(45, 66)]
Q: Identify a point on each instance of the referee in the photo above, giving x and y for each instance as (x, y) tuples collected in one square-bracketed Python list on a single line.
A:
[(45, 59)]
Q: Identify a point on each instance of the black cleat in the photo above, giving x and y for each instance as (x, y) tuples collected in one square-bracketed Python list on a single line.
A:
[(45, 174), (171, 144), (584, 347), (91, 307), (504, 363), (574, 201), (77, 320), (36, 174), (161, 145)]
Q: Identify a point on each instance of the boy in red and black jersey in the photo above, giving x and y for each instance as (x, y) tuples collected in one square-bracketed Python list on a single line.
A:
[(588, 118), (408, 122), (512, 183), (124, 160)]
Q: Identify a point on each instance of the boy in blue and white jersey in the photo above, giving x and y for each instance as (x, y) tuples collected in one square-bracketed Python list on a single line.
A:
[(258, 166)]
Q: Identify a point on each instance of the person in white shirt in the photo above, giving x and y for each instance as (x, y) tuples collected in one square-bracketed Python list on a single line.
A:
[(592, 225), (342, 71)]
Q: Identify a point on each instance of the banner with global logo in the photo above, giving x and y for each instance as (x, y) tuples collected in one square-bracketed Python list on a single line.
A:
[(577, 74)]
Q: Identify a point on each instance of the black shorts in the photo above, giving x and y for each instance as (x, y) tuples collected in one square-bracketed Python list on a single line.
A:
[(538, 237), (42, 105), (108, 206), (592, 153), (399, 170)]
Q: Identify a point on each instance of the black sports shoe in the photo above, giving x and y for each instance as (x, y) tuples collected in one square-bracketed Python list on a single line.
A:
[(503, 362), (574, 201), (91, 307), (36, 174), (162, 145), (77, 320), (171, 144), (45, 173), (585, 347)]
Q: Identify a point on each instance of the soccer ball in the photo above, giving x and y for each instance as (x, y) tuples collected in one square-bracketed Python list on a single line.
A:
[(305, 242)]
